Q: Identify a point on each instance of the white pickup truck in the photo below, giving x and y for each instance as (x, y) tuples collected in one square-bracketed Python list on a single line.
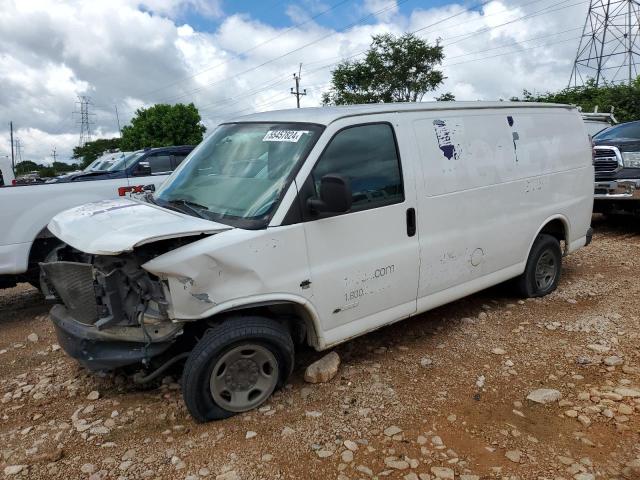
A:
[(6, 172), (26, 210)]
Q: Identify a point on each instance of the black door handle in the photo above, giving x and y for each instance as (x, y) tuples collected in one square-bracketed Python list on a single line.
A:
[(411, 222)]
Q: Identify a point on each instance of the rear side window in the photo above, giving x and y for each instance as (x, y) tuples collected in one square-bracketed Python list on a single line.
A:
[(160, 163), (178, 158), (367, 155)]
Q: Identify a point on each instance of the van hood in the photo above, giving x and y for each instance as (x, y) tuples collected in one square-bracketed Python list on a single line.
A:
[(111, 227)]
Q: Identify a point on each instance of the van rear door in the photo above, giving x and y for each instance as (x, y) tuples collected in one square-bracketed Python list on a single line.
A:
[(364, 263)]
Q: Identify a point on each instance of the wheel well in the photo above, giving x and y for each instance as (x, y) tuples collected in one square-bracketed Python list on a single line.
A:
[(294, 316), (40, 248), (556, 228)]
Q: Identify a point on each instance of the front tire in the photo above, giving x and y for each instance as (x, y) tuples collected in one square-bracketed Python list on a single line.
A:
[(236, 367), (544, 265)]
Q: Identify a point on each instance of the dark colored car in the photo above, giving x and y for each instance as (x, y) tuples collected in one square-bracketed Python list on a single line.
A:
[(143, 163), (617, 169)]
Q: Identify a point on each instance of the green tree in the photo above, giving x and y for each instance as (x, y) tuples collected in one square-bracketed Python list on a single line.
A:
[(163, 125), (26, 166), (92, 150), (446, 97), (394, 69), (47, 172), (624, 98), (61, 167)]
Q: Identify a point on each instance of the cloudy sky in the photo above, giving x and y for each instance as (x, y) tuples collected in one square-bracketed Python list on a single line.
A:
[(231, 57)]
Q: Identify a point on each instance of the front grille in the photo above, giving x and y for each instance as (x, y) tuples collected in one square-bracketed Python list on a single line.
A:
[(605, 161), (73, 282)]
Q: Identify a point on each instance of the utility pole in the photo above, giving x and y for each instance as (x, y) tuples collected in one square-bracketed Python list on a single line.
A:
[(297, 92), (85, 119), (118, 120), (13, 160)]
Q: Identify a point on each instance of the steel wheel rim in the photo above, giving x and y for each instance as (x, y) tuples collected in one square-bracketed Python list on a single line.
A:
[(546, 270), (244, 377)]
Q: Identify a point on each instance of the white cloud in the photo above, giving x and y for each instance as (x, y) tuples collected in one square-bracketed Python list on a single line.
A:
[(382, 9), (135, 53)]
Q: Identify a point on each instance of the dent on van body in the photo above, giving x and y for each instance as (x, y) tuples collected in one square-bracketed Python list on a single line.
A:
[(231, 268)]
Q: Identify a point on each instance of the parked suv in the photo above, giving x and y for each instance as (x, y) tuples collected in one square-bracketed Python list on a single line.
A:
[(142, 163), (617, 169)]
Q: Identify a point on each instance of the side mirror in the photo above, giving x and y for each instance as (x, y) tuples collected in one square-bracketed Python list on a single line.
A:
[(143, 169), (335, 195)]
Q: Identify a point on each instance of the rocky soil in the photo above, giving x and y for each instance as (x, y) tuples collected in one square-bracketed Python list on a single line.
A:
[(486, 387)]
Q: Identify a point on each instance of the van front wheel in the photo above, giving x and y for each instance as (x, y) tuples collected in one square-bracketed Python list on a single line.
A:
[(544, 265), (236, 367)]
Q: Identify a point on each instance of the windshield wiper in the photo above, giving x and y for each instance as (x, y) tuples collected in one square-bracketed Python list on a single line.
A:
[(191, 206)]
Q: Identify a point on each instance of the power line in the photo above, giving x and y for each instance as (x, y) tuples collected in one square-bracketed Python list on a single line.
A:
[(542, 11), (230, 114), (393, 4), (244, 52)]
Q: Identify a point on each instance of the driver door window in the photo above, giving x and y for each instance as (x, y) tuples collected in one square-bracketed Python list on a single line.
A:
[(368, 157)]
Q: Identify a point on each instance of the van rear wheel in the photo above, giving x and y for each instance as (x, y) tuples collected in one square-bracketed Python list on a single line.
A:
[(236, 367), (543, 269)]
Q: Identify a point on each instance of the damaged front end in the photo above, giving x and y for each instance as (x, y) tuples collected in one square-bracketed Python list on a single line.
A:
[(113, 313)]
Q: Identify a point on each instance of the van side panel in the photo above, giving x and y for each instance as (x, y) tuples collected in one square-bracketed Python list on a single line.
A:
[(491, 180)]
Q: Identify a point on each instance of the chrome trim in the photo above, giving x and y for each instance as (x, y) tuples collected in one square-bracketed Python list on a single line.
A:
[(618, 157), (618, 190)]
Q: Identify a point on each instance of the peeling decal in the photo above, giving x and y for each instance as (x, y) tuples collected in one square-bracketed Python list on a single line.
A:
[(446, 136), (514, 136)]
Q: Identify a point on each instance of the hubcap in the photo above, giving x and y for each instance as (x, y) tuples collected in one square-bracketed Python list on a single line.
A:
[(244, 377), (546, 270)]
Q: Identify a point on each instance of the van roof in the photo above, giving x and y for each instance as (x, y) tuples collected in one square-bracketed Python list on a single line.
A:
[(327, 115)]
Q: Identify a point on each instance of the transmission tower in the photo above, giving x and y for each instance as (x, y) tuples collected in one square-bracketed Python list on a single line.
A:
[(18, 147), (609, 50), (84, 121)]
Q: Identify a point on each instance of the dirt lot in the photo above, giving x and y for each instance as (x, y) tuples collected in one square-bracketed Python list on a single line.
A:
[(442, 394)]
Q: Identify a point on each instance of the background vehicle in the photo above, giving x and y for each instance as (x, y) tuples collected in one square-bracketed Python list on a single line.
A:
[(617, 169), (150, 161), (597, 122), (25, 212), (6, 172), (316, 226)]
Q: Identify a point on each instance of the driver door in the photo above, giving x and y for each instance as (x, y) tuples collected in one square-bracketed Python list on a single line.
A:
[(364, 263)]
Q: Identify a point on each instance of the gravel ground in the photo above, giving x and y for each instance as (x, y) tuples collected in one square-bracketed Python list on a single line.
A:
[(437, 396)]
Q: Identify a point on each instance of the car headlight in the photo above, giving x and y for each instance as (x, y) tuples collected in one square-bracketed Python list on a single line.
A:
[(631, 159)]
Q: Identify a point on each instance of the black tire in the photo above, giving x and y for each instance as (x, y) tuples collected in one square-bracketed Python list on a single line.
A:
[(218, 342), (545, 247)]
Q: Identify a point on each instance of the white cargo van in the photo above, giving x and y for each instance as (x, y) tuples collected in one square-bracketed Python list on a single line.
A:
[(6, 172), (315, 226)]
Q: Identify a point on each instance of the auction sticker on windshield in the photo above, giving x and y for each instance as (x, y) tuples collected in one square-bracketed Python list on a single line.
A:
[(284, 135)]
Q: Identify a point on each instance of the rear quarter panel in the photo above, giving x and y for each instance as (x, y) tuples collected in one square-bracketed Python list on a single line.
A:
[(490, 181)]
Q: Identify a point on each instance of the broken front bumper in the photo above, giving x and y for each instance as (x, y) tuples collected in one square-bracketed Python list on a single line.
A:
[(112, 348)]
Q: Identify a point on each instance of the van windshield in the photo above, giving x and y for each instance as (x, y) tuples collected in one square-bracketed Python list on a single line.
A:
[(238, 174)]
